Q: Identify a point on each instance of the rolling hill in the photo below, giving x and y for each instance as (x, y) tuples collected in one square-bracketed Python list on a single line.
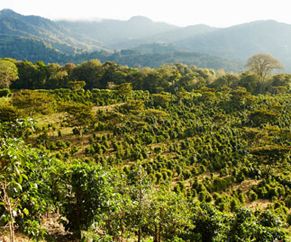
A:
[(125, 41), (111, 32), (244, 40), (171, 36), (35, 28)]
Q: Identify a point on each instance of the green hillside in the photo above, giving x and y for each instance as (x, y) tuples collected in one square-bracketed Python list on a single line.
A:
[(105, 152), (35, 28), (155, 55)]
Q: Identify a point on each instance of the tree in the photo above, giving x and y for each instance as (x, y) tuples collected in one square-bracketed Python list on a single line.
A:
[(27, 72), (57, 77), (169, 214), (227, 80), (113, 72), (26, 186), (280, 83), (90, 72), (124, 90), (87, 197), (141, 202), (8, 73), (250, 82), (32, 102), (78, 115), (76, 85), (210, 224), (262, 65), (247, 226)]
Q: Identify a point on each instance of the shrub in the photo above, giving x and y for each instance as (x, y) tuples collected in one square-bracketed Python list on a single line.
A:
[(88, 199), (252, 195), (8, 113), (5, 92)]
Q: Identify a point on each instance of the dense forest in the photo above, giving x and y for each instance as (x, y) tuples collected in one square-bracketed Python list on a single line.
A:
[(105, 152)]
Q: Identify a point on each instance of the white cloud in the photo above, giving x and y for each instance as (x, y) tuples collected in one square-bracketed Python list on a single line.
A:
[(181, 12)]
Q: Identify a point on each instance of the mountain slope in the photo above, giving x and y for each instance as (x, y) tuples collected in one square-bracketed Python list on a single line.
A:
[(35, 38), (244, 40), (141, 41), (168, 37), (154, 55), (111, 32), (23, 48), (40, 29)]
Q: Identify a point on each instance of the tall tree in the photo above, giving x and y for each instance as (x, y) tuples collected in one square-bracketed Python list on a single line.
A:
[(90, 72), (27, 75), (8, 73), (262, 65)]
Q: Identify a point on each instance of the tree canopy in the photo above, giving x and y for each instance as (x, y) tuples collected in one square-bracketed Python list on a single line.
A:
[(262, 65), (8, 72)]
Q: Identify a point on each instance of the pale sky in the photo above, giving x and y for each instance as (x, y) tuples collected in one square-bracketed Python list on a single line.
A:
[(219, 13)]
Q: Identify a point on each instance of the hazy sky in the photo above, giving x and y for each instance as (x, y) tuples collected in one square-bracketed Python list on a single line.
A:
[(218, 13)]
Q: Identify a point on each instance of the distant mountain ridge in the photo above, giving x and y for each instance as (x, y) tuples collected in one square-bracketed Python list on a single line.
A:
[(111, 31), (154, 55), (244, 40), (169, 37), (37, 38), (41, 29)]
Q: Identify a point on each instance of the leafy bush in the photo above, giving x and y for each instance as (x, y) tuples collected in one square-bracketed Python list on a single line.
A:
[(87, 199), (5, 92), (26, 178)]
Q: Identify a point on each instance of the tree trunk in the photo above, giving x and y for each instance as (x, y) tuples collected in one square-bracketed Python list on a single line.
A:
[(159, 233), (121, 229), (156, 237), (11, 222), (139, 235), (9, 206), (78, 214), (11, 230)]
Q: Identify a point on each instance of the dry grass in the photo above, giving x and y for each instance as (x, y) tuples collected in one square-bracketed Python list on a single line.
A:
[(246, 185), (260, 204), (4, 237), (106, 108), (53, 119)]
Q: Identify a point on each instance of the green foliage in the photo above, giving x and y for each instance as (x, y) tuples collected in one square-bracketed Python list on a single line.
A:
[(178, 164), (8, 72), (78, 115), (261, 117), (5, 92), (246, 227), (169, 214), (8, 113), (210, 224), (168, 78), (32, 102), (87, 197), (280, 83), (20, 128), (89, 72), (76, 85), (262, 65), (26, 178), (225, 81)]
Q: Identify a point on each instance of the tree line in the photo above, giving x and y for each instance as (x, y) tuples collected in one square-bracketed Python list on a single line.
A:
[(93, 74)]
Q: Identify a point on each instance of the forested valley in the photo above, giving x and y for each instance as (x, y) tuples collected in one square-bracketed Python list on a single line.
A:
[(105, 152)]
